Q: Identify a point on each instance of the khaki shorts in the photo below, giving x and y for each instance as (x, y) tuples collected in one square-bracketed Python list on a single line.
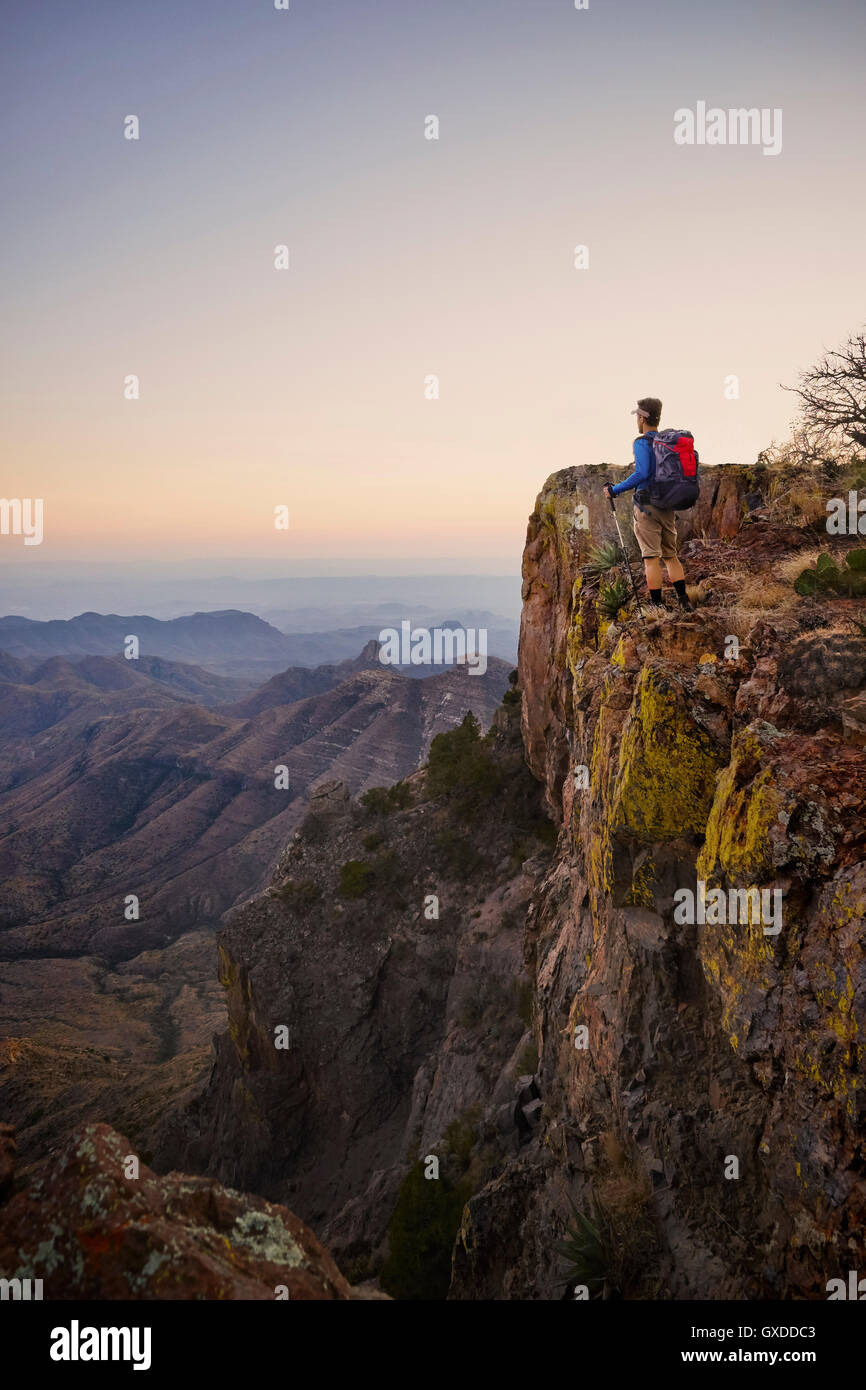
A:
[(655, 532)]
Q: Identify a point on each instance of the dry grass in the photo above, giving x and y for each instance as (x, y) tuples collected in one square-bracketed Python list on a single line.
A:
[(763, 594), (797, 496), (788, 570), (741, 620), (808, 508)]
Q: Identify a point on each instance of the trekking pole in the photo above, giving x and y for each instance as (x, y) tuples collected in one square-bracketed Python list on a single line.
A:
[(625, 557)]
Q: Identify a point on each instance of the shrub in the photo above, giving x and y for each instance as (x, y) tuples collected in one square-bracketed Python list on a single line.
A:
[(359, 876), (381, 801), (760, 594), (526, 1002), (356, 878), (313, 829), (462, 1135), (421, 1235), (827, 577), (299, 893), (617, 1251), (461, 763), (527, 1060), (373, 841), (457, 852)]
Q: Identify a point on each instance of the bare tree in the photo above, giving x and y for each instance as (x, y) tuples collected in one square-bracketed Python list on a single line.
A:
[(833, 397)]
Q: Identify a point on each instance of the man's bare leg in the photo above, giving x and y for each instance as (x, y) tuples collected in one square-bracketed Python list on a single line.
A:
[(653, 571)]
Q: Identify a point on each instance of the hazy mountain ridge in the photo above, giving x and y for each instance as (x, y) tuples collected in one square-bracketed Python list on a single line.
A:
[(228, 642), (139, 790)]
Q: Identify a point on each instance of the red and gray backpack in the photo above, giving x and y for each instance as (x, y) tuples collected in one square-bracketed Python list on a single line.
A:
[(675, 486)]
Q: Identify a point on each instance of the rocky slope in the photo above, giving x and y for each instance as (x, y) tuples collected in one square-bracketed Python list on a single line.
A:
[(562, 1039), (128, 792), (129, 786)]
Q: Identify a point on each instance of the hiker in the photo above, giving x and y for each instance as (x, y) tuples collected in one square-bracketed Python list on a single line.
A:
[(655, 528)]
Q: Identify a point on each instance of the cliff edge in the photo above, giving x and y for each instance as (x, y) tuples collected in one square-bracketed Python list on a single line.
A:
[(615, 1052)]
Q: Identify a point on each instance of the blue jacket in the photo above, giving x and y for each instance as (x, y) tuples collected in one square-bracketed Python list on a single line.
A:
[(644, 465)]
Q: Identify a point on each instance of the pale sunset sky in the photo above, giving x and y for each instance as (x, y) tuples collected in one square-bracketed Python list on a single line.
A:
[(408, 257)]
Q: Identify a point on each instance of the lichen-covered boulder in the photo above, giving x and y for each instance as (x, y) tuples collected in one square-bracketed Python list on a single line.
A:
[(99, 1224)]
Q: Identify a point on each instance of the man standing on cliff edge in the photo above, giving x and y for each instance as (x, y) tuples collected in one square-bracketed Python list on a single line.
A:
[(655, 529)]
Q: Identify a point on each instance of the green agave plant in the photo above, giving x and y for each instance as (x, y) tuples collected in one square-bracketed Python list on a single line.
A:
[(603, 557), (583, 1252), (612, 597)]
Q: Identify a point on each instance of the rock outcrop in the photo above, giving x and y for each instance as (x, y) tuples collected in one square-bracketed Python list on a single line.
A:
[(716, 1091), (98, 1224)]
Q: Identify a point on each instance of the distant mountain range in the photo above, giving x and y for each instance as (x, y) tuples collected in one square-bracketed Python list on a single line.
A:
[(146, 778), (228, 643)]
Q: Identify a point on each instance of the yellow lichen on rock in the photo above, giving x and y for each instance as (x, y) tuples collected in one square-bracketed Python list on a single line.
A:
[(745, 806), (667, 768)]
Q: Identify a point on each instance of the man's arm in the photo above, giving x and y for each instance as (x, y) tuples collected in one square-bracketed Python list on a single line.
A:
[(643, 454)]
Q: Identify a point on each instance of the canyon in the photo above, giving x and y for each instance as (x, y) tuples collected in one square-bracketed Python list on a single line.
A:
[(484, 965)]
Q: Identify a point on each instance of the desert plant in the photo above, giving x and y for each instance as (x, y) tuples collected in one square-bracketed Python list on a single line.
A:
[(313, 829), (603, 557), (457, 852), (583, 1252), (847, 579), (612, 597), (462, 1135), (792, 566)]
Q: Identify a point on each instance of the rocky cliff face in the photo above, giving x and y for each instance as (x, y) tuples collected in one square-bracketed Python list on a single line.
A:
[(586, 1030), (704, 1042), (390, 949)]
